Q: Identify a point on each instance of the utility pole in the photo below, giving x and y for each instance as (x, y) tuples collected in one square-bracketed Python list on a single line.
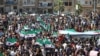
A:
[(94, 5), (59, 9)]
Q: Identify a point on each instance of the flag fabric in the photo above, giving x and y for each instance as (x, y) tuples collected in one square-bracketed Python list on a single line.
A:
[(73, 32), (98, 31), (48, 43), (27, 32), (11, 41), (54, 34), (39, 41), (39, 19), (26, 27), (1, 54), (43, 24), (44, 41)]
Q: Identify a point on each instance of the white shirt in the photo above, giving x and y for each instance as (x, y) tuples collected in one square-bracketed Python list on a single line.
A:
[(82, 22), (12, 53), (78, 47), (33, 41), (30, 53), (93, 53), (64, 45), (19, 26), (33, 25), (10, 27), (98, 41)]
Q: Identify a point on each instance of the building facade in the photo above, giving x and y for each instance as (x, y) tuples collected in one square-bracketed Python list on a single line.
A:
[(69, 5), (45, 6), (88, 5), (1, 6), (37, 6), (11, 5), (29, 5)]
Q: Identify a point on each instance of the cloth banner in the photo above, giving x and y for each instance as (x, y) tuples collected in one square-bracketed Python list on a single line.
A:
[(45, 42), (72, 32), (27, 32), (11, 41)]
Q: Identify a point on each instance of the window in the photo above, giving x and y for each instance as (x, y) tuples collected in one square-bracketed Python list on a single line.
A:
[(90, 2), (1, 2), (32, 2), (86, 2), (70, 3), (40, 4), (28, 1), (15, 7), (66, 3), (25, 3), (49, 4), (99, 1), (50, 10), (44, 4), (15, 1)]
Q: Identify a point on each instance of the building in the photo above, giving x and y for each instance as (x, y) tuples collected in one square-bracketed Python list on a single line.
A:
[(34, 6), (1, 6), (98, 5), (45, 6), (17, 5), (69, 5), (88, 5), (11, 5), (29, 5)]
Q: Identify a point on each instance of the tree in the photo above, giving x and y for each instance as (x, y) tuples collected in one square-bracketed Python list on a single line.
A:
[(79, 10), (58, 5)]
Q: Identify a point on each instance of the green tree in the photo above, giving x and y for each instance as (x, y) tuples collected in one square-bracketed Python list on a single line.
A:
[(58, 5), (79, 8)]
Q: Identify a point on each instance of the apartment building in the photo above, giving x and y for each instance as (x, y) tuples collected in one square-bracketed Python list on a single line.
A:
[(98, 5), (38, 6), (45, 6), (17, 5), (29, 5), (10, 5), (69, 5), (87, 5)]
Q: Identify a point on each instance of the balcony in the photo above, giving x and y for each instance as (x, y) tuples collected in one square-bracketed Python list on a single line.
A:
[(28, 2), (45, 5), (11, 2)]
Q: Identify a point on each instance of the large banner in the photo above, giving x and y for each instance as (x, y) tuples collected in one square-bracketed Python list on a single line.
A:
[(73, 32)]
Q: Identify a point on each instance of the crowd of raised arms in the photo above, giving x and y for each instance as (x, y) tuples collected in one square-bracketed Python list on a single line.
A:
[(11, 25)]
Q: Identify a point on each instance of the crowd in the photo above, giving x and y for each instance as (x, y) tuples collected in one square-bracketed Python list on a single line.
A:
[(64, 45)]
